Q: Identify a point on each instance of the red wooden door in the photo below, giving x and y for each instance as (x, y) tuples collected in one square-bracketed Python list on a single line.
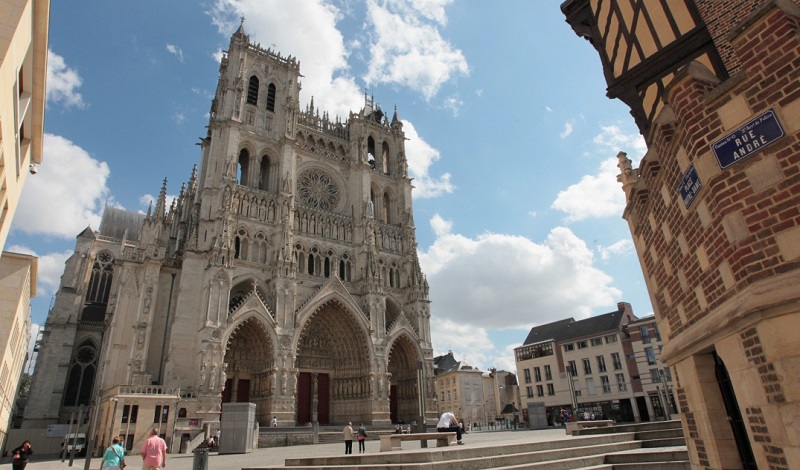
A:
[(323, 393), (393, 403), (304, 398), (243, 391)]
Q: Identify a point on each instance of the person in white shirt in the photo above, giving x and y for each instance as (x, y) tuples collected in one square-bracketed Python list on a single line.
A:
[(449, 423)]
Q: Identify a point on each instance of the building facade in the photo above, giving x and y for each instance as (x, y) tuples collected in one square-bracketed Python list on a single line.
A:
[(17, 288), (459, 389), (583, 366), (712, 208), (284, 274), (658, 399), (23, 72)]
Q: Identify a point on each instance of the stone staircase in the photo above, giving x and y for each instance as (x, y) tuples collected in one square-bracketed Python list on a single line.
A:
[(651, 446)]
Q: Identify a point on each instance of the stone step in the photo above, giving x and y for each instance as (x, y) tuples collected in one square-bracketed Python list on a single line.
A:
[(660, 455), (511, 456), (664, 442), (659, 434), (633, 427)]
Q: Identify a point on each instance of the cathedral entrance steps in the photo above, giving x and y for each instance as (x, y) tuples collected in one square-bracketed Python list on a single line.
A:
[(644, 427), (568, 453)]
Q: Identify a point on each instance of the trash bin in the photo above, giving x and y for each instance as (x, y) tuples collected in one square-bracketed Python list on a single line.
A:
[(200, 460)]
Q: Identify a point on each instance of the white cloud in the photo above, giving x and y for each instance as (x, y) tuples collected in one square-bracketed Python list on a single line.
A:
[(453, 104), (278, 24), (176, 51), (594, 196), (408, 49), (420, 156), (622, 247), (50, 268), (600, 195), (179, 117), (62, 82), (567, 130), (149, 201), (66, 195), (548, 109), (612, 140), (507, 281)]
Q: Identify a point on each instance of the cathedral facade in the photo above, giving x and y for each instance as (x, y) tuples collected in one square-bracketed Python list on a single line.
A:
[(284, 274)]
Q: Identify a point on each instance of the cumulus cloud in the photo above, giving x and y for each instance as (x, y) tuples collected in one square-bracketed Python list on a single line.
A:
[(420, 156), (594, 196), (50, 268), (176, 51), (408, 49), (600, 195), (508, 281), (149, 201), (622, 247), (323, 56), (62, 82), (66, 195), (453, 104)]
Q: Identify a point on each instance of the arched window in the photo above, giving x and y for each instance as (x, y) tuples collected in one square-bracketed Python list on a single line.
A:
[(327, 267), (386, 206), (244, 165), (311, 263), (371, 151), (263, 177), (394, 275), (252, 91), (260, 248), (371, 204), (344, 268), (271, 98), (385, 158), (100, 280), (241, 244), (82, 369)]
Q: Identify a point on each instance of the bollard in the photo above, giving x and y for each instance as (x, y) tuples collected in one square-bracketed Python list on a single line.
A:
[(200, 460)]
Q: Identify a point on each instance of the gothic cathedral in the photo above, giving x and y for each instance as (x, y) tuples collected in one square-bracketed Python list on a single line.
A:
[(285, 274)]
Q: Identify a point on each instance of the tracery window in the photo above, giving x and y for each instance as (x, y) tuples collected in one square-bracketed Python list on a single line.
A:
[(385, 158), (318, 190), (344, 268), (82, 369), (243, 167), (386, 206), (101, 277), (263, 179), (241, 245), (271, 98), (394, 275), (252, 90)]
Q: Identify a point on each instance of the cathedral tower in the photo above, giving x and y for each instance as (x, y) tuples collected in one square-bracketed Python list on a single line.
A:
[(285, 274)]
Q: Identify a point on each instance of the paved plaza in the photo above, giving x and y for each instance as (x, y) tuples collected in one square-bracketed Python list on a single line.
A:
[(275, 456)]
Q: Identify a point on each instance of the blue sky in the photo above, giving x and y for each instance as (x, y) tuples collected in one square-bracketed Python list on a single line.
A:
[(512, 142)]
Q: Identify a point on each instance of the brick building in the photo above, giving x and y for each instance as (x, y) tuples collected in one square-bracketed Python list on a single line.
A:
[(714, 207)]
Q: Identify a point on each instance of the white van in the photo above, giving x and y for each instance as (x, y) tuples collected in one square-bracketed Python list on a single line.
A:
[(78, 440)]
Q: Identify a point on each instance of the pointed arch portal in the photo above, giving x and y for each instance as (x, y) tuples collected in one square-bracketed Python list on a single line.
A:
[(333, 364), (249, 359), (403, 393)]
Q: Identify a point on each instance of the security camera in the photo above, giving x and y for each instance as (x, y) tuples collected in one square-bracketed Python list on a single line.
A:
[(33, 169)]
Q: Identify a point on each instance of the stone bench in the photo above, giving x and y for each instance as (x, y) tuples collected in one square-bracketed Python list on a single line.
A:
[(573, 426), (393, 441)]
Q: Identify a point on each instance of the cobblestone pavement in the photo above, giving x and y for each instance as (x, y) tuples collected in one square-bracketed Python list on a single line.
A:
[(275, 456)]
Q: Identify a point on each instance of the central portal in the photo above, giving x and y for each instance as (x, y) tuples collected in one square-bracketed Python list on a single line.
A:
[(333, 367)]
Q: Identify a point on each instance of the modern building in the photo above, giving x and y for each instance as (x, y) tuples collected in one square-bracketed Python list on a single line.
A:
[(285, 274), (713, 207), (17, 288), (581, 365), (658, 399), (23, 72)]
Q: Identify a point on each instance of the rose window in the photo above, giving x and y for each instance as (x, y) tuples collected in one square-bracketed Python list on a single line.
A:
[(318, 190)]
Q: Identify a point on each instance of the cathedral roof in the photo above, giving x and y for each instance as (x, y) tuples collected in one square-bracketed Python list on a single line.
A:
[(119, 223)]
